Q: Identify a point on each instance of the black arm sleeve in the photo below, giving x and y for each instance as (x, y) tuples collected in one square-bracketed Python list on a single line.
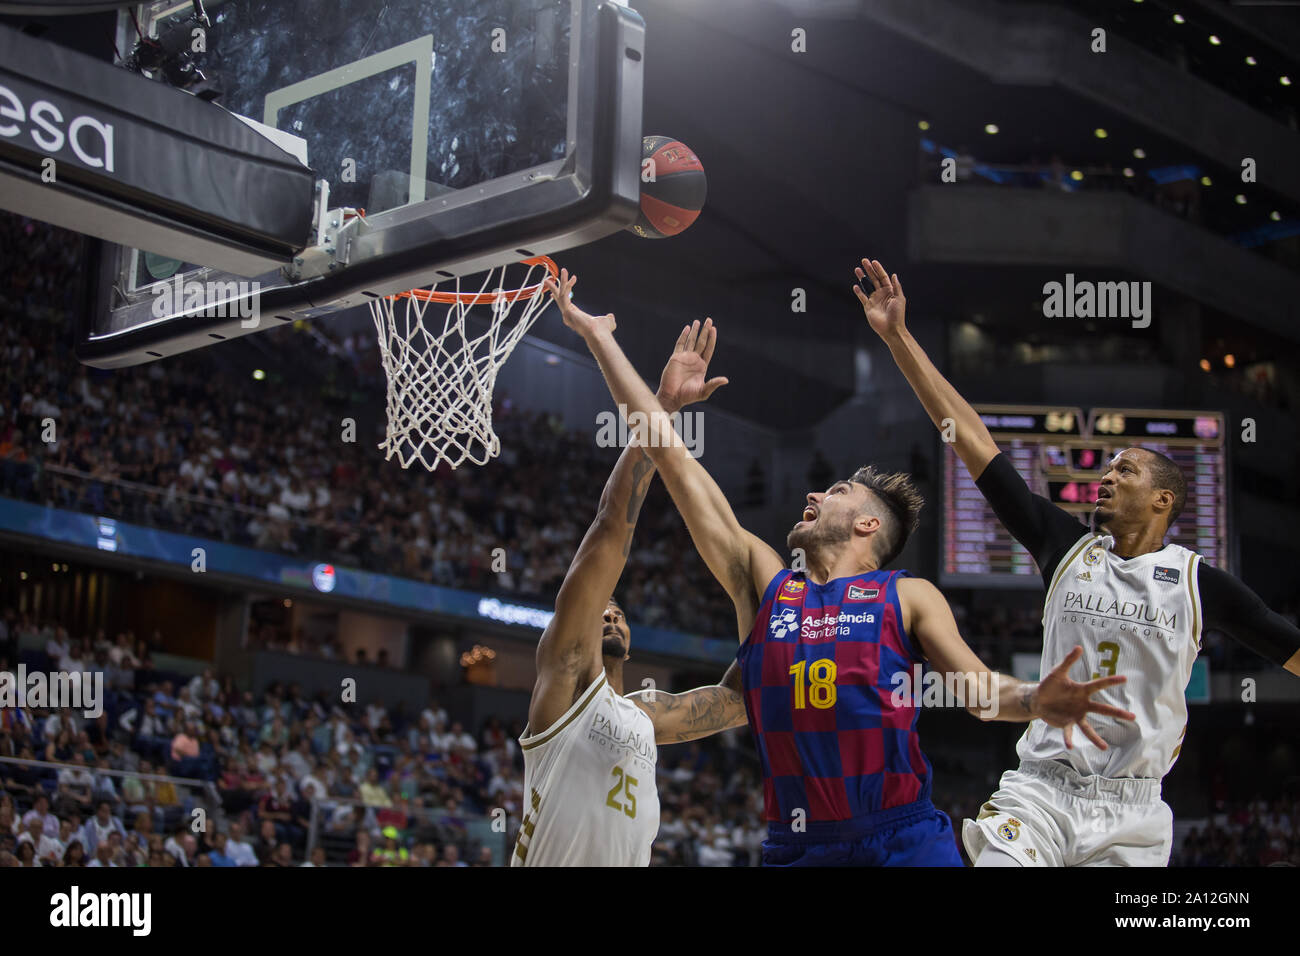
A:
[(1231, 607), (1044, 529)]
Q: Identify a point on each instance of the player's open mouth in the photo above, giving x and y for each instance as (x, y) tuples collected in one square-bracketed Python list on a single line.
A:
[(809, 514), (1102, 495)]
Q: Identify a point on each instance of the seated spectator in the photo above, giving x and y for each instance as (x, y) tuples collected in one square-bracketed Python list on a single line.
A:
[(276, 808), (317, 857), (103, 856), (98, 828), (186, 754), (25, 853), (74, 855), (50, 850), (41, 811), (217, 855), (175, 845), (451, 856), (238, 849), (282, 856), (373, 793), (76, 786), (391, 852), (105, 785)]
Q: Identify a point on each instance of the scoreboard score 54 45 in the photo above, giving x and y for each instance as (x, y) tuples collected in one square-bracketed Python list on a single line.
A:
[(1063, 453)]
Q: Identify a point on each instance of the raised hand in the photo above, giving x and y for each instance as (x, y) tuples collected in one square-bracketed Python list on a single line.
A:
[(886, 306), (1063, 702), (683, 380), (574, 317)]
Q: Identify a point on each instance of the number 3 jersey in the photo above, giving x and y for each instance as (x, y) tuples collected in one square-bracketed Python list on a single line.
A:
[(589, 785), (819, 671), (1139, 618)]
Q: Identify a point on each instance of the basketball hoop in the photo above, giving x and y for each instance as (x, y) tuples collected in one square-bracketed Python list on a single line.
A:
[(440, 382)]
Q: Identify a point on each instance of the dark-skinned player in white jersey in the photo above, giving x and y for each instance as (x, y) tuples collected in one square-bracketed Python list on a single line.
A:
[(589, 751), (1136, 605)]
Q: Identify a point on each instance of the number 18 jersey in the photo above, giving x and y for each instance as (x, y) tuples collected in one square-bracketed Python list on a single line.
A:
[(819, 670)]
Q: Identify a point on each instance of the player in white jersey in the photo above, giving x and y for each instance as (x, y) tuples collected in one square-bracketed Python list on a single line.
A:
[(1136, 605), (589, 751)]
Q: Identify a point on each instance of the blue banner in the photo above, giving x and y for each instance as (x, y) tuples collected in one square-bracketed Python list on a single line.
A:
[(119, 537)]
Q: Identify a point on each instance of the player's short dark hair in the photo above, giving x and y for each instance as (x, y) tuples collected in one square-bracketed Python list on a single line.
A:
[(1167, 476), (902, 512)]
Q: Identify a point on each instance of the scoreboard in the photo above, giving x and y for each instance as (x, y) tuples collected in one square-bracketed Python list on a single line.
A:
[(1063, 453)]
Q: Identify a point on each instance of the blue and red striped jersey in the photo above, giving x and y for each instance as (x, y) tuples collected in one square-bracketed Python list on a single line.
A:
[(819, 671)]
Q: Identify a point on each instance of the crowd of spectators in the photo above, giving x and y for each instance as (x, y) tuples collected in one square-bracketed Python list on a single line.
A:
[(375, 786), (1256, 833), (185, 445)]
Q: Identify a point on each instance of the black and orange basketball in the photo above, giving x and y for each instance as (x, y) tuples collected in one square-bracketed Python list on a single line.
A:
[(672, 188)]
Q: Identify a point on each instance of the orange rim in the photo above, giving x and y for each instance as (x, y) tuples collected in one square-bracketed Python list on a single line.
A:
[(486, 298)]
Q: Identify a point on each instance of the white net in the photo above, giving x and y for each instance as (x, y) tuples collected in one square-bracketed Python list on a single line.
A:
[(442, 359)]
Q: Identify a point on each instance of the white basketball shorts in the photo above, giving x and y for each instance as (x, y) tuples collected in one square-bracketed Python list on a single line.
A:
[(1047, 814)]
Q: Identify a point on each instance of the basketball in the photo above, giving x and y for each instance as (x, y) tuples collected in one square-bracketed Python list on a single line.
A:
[(672, 188)]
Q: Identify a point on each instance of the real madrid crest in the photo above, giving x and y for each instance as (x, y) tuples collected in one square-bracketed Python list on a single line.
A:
[(1010, 830)]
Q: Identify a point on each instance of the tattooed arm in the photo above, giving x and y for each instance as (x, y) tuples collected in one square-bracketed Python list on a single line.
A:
[(568, 655), (695, 713)]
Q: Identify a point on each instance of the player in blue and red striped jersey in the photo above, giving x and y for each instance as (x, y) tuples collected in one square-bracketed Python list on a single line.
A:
[(824, 651)]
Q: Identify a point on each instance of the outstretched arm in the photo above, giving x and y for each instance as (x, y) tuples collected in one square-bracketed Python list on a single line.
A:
[(569, 650), (991, 695), (1045, 530), (695, 713), (740, 561), (1233, 608), (886, 309)]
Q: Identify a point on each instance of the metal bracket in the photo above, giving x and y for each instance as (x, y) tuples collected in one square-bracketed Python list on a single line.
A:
[(333, 231)]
